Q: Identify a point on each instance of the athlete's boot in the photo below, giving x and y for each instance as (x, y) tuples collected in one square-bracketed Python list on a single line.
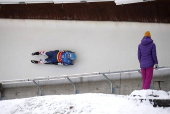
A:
[(34, 61), (36, 53)]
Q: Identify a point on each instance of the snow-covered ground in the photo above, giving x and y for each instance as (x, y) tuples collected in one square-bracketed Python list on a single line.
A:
[(91, 103)]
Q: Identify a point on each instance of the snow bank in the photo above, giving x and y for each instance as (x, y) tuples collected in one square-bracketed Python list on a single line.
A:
[(79, 104), (150, 94)]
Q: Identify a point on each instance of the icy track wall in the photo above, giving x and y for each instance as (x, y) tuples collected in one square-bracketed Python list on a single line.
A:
[(100, 46)]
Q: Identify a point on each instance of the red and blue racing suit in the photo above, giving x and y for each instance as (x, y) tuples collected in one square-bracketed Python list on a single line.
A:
[(59, 57)]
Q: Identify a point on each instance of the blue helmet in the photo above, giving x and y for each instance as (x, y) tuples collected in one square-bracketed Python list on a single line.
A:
[(72, 56)]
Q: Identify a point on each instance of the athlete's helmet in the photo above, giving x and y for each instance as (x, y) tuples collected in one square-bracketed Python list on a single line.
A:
[(72, 56)]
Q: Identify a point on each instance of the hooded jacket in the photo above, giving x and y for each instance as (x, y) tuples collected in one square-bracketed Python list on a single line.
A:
[(147, 53)]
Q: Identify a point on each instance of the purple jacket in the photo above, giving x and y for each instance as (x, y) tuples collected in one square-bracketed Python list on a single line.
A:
[(147, 53)]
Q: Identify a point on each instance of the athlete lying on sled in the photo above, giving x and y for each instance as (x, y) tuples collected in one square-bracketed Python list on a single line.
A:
[(57, 57)]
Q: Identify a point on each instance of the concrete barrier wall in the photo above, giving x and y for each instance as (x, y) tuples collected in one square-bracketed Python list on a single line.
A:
[(125, 87), (123, 84)]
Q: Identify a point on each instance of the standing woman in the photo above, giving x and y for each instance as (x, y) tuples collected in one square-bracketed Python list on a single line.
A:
[(147, 58)]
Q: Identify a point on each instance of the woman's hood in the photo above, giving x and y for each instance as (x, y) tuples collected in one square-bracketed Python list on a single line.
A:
[(146, 40)]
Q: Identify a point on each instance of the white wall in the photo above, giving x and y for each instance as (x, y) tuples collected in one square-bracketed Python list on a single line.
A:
[(100, 46)]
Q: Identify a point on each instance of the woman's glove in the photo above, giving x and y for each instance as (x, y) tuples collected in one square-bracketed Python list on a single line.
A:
[(156, 66)]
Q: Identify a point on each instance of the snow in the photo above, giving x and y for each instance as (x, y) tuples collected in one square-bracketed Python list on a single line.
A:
[(150, 94), (89, 103)]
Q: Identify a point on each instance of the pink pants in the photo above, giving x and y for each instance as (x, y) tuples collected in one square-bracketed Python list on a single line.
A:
[(147, 75)]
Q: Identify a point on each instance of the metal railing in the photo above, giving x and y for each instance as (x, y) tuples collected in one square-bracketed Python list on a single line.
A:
[(72, 76)]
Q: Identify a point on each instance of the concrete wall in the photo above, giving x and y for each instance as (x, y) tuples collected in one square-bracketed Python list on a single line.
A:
[(123, 84), (100, 46)]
